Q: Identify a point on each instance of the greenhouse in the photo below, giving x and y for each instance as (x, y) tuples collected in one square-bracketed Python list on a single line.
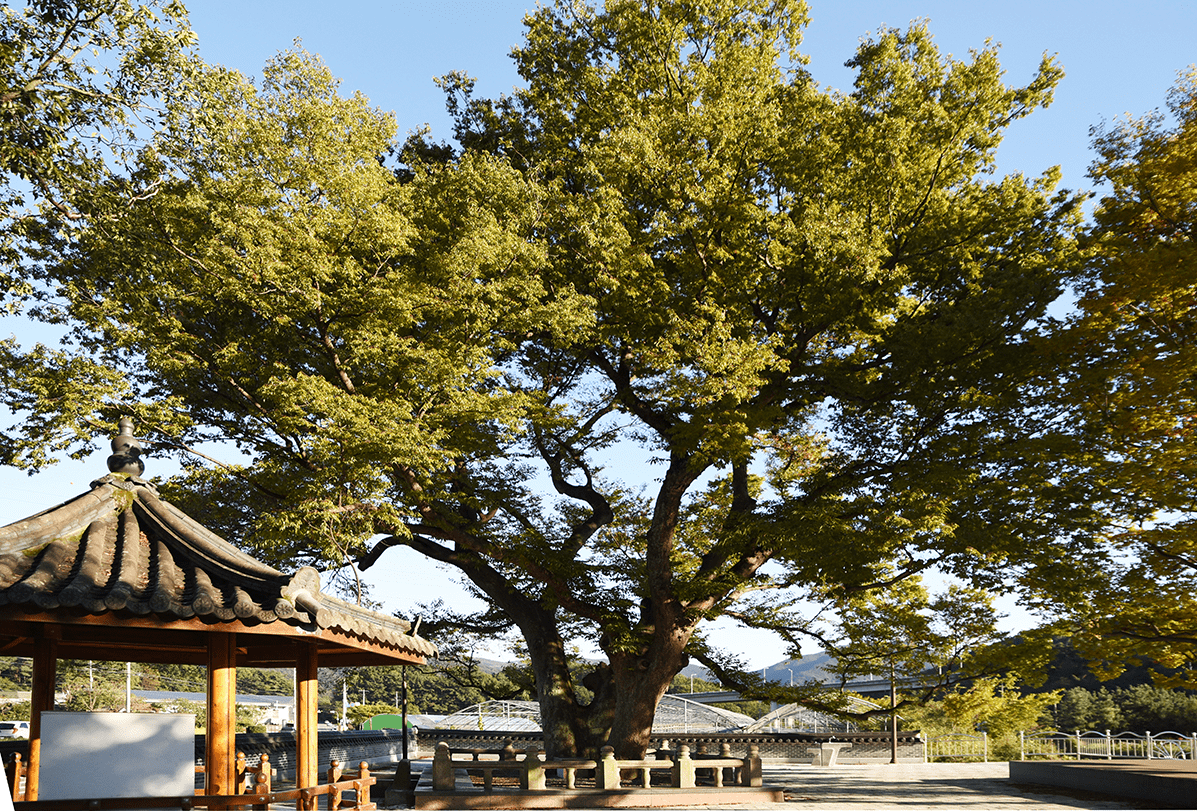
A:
[(674, 714), (799, 718)]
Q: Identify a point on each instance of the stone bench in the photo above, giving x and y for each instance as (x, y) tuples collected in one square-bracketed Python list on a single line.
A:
[(531, 769)]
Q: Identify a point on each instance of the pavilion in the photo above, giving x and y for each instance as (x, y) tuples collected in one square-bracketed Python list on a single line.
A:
[(118, 574)]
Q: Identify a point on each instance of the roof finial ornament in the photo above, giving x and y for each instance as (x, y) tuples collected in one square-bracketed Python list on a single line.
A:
[(126, 451)]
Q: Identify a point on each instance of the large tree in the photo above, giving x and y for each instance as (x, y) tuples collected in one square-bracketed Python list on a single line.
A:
[(1131, 352), (802, 316), (83, 84)]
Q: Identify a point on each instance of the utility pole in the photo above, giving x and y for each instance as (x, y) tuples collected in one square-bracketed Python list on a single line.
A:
[(893, 714), (403, 709)]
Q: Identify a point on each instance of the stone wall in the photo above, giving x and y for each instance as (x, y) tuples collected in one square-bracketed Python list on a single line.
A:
[(867, 747), (386, 745)]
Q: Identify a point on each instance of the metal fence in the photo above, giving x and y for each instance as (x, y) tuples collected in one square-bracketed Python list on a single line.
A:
[(1104, 745), (957, 745)]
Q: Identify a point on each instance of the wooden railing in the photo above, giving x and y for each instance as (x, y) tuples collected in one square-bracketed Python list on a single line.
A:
[(259, 796), (15, 771), (608, 770)]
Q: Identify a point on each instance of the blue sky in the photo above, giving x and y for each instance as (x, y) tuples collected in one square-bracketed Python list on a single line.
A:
[(1118, 58)]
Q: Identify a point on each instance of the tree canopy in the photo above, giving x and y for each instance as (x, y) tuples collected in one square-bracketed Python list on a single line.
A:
[(805, 318), (1129, 361), (83, 85)]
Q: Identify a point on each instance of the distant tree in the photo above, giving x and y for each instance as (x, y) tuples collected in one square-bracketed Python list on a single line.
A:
[(1148, 707), (922, 644), (429, 690), (360, 713), (1083, 709), (1137, 708), (17, 670), (263, 681), (997, 706), (90, 686), (1074, 709)]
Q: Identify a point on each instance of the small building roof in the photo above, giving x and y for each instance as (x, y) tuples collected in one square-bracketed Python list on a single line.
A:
[(120, 558)]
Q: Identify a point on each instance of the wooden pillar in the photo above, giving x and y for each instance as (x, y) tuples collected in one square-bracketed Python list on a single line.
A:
[(220, 767), (307, 769), (41, 699)]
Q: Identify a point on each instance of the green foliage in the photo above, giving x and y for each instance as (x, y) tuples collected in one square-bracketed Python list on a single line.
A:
[(1131, 363), (90, 686), (1138, 708), (16, 671), (904, 634), (440, 689), (264, 682), (15, 711), (996, 706), (82, 85), (246, 718), (360, 713)]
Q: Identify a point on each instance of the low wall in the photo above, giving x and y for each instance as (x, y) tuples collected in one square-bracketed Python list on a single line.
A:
[(867, 747)]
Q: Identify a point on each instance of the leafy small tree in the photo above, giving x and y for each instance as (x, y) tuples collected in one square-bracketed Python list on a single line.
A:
[(360, 713)]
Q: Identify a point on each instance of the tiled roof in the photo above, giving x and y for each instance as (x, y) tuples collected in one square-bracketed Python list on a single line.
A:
[(120, 548)]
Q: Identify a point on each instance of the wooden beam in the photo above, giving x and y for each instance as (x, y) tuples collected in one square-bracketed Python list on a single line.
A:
[(307, 767), (219, 756), (45, 668), (91, 634)]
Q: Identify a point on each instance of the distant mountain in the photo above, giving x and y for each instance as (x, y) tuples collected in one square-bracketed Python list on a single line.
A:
[(816, 665), (490, 666)]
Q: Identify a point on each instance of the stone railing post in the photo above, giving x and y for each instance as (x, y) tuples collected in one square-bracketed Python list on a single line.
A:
[(442, 769), (750, 774), (729, 774), (606, 776), (532, 775), (683, 769)]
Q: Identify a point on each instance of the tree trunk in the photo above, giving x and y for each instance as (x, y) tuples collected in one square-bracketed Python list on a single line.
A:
[(570, 729), (640, 682)]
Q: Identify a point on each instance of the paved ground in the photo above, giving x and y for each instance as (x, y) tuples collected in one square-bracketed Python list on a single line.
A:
[(936, 785), (967, 786)]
